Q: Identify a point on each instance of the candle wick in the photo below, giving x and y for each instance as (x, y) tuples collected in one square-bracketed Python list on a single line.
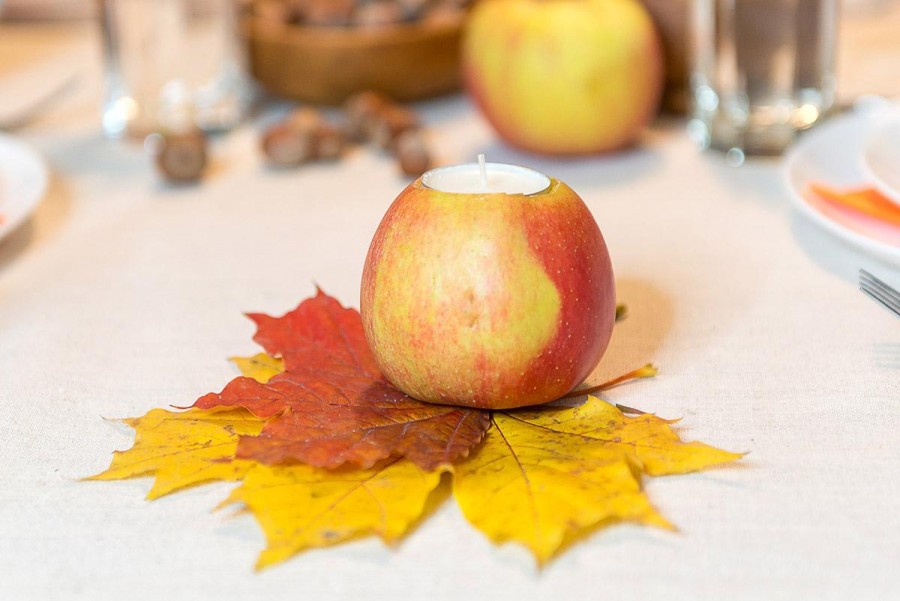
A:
[(482, 170)]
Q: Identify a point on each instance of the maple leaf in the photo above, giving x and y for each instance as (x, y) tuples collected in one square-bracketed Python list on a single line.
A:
[(541, 477), (298, 506), (331, 405), (867, 201), (183, 449), (261, 367)]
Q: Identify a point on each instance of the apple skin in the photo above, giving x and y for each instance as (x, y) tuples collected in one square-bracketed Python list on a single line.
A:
[(487, 300), (563, 77)]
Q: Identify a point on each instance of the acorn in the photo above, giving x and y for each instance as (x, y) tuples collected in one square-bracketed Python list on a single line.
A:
[(378, 13), (301, 137), (286, 145), (390, 122), (329, 13), (413, 9), (361, 113), (412, 153), (181, 157), (329, 143)]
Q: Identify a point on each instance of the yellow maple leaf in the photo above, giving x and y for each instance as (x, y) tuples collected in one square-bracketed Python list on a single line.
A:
[(182, 449), (542, 477), (262, 367), (646, 439), (299, 507)]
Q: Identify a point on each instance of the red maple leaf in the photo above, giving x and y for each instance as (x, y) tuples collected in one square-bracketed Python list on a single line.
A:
[(332, 406)]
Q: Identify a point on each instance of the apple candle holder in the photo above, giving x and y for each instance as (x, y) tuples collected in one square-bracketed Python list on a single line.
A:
[(487, 285)]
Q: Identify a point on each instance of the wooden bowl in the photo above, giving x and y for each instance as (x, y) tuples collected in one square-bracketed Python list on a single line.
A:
[(325, 65)]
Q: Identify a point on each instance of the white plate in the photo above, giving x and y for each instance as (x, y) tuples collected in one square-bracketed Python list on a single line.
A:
[(830, 154), (881, 157), (23, 181)]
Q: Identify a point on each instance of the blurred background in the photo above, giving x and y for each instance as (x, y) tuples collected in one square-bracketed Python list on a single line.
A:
[(866, 46)]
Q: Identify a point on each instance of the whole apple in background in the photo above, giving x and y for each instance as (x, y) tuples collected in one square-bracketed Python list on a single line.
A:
[(563, 76), (487, 300)]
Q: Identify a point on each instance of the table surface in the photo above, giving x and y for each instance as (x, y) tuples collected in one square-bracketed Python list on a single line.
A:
[(121, 294)]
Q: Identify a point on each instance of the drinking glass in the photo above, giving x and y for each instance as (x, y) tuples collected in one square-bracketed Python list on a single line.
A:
[(172, 64), (762, 70)]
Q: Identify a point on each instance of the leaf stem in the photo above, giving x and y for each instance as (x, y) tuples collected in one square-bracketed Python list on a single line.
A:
[(647, 371)]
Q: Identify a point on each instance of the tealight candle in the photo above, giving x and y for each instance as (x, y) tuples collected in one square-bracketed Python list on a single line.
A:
[(486, 178)]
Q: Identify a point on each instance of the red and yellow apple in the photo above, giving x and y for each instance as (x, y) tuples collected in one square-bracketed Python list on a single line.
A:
[(563, 76), (487, 300)]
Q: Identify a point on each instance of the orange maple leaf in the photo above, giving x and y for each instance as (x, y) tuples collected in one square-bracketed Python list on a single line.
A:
[(541, 477), (866, 201), (332, 406)]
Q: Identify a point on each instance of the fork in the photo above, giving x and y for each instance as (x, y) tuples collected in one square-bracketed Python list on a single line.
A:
[(879, 291)]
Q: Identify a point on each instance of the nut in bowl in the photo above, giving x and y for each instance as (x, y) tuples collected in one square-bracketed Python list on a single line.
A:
[(409, 51)]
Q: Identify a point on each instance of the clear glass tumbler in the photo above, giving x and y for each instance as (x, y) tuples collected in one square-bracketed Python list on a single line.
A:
[(761, 71), (171, 64)]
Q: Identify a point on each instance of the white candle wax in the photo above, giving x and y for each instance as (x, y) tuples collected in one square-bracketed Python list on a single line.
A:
[(486, 178)]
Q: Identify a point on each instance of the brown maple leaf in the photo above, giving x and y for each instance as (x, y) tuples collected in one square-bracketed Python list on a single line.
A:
[(332, 406)]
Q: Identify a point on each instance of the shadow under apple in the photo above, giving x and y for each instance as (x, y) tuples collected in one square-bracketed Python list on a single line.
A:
[(636, 338)]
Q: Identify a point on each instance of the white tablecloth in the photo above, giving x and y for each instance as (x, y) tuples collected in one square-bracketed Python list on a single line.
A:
[(121, 295)]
